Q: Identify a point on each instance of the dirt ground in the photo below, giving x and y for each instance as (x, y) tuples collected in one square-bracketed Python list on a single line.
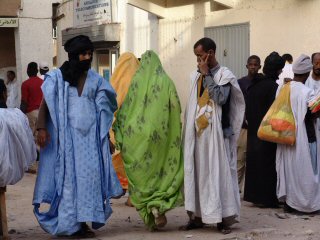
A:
[(255, 223)]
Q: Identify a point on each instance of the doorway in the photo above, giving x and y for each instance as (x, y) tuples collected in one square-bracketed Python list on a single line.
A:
[(233, 42), (105, 61)]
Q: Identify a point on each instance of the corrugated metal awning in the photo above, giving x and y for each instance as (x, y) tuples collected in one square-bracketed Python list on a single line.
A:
[(99, 33)]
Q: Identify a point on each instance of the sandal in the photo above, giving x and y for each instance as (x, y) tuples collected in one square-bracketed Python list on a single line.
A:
[(191, 225), (159, 219), (223, 228)]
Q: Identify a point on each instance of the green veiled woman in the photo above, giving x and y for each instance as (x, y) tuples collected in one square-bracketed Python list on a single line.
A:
[(148, 134)]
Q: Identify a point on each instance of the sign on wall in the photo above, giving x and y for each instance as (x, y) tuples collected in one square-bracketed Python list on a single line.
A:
[(88, 12), (8, 22)]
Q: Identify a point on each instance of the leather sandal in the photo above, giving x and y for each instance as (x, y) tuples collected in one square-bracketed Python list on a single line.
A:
[(160, 220), (191, 225), (223, 228)]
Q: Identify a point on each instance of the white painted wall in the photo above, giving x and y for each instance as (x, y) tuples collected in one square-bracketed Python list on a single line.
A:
[(281, 25), (33, 37), (66, 8), (139, 29)]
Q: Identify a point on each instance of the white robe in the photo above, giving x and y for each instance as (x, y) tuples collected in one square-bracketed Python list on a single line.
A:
[(297, 184), (313, 84), (286, 73), (17, 147), (210, 182), (13, 89)]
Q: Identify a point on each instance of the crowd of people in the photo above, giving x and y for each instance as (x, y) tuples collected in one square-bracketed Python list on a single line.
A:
[(77, 118)]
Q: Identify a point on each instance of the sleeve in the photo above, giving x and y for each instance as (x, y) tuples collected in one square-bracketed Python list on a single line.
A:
[(106, 105), (218, 93)]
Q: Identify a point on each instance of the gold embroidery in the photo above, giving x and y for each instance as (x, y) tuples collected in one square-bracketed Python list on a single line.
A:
[(202, 121)]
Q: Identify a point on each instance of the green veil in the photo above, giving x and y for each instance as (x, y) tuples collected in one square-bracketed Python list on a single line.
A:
[(148, 134)]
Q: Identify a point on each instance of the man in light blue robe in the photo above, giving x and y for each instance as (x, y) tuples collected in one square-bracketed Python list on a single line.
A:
[(76, 177)]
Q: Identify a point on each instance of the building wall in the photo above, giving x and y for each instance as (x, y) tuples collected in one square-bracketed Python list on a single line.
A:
[(280, 25), (139, 29), (33, 37)]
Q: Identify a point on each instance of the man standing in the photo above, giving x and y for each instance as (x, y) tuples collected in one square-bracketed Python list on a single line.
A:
[(13, 90), (76, 177), (43, 69), (298, 165), (31, 95), (261, 177), (253, 66), (214, 115), (287, 73), (313, 80)]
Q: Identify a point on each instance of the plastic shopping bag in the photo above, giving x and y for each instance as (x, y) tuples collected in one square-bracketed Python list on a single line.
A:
[(314, 103), (278, 125)]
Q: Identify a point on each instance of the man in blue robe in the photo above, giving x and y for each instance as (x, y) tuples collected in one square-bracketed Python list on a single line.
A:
[(76, 177)]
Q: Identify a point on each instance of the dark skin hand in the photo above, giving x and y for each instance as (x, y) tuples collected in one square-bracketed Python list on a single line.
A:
[(43, 137), (203, 65)]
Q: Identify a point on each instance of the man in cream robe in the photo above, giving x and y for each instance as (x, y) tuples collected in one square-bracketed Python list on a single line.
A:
[(298, 166), (214, 115), (313, 80)]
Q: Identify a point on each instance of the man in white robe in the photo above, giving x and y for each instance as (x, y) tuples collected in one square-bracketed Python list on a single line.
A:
[(313, 80), (17, 148), (13, 88), (287, 73), (297, 166), (214, 116)]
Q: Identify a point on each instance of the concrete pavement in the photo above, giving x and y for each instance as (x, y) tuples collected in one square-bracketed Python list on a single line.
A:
[(125, 223)]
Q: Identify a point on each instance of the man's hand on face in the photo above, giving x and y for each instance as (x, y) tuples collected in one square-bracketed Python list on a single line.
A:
[(203, 65)]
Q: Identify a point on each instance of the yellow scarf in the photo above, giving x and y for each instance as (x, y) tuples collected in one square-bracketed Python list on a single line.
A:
[(203, 101)]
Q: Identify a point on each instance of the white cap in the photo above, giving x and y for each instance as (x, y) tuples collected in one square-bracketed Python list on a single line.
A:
[(44, 66), (302, 65)]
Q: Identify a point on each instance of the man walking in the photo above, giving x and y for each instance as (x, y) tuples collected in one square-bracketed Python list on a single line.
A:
[(76, 177), (31, 95), (214, 115)]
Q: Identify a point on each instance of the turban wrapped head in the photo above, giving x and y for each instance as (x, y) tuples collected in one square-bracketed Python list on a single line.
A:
[(72, 70), (273, 64), (302, 65), (77, 45)]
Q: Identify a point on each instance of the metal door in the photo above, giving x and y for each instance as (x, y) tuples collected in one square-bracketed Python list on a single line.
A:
[(232, 46)]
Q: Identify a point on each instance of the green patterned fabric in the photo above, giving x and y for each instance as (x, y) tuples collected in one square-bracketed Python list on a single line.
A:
[(148, 134)]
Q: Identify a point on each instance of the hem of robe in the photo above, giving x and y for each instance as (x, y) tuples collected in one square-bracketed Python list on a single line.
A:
[(227, 213), (259, 201), (298, 206)]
